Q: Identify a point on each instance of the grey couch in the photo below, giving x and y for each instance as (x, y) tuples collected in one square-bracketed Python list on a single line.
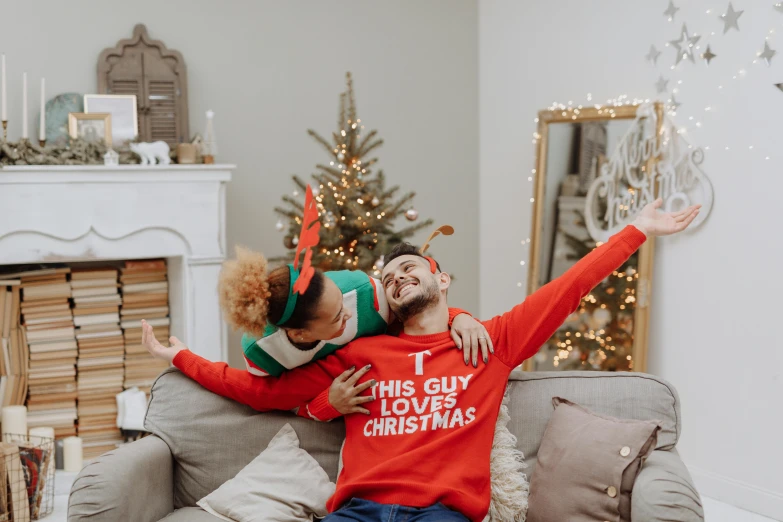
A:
[(200, 440)]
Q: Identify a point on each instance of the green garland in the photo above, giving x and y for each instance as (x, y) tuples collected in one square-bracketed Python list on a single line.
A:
[(76, 152)]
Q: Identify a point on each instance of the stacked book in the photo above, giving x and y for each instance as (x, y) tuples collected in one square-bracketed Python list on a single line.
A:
[(50, 343), (12, 362), (145, 295), (96, 316)]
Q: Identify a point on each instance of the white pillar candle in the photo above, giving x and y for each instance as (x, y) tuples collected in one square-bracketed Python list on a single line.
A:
[(24, 106), (14, 421), (41, 435), (72, 454), (42, 125), (4, 111)]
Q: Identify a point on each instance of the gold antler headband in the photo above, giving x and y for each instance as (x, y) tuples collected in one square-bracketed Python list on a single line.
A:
[(446, 230)]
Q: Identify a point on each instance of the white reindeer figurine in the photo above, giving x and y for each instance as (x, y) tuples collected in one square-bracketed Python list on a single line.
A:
[(149, 152)]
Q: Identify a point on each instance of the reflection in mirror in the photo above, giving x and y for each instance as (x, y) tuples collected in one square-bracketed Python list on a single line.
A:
[(600, 335)]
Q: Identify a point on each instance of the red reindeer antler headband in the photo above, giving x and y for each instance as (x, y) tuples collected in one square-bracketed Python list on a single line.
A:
[(308, 239)]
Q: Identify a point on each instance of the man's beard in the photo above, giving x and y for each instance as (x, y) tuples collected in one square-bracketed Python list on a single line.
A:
[(416, 305)]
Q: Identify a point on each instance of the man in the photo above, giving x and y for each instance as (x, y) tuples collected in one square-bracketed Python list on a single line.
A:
[(405, 461)]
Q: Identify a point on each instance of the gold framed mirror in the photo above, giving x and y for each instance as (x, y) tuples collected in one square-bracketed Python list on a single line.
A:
[(609, 332)]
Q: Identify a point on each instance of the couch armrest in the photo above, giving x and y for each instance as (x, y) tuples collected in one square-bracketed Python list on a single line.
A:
[(664, 491), (134, 482)]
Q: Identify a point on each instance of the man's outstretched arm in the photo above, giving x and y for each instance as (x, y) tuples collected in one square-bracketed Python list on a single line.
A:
[(519, 333)]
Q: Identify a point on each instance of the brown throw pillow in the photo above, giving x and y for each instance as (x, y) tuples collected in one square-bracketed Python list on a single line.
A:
[(587, 464)]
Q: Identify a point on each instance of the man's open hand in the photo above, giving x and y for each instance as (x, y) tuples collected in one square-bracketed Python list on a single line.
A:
[(655, 223)]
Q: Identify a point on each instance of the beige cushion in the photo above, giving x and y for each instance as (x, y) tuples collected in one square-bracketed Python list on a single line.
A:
[(587, 464), (212, 438), (283, 484), (625, 395)]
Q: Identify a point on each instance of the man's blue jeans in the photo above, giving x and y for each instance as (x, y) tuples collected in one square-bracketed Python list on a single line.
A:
[(358, 510)]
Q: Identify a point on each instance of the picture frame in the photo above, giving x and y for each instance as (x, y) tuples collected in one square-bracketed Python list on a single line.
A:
[(90, 127), (123, 110)]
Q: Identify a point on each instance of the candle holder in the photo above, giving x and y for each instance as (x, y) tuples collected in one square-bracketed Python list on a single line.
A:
[(42, 143), (5, 130)]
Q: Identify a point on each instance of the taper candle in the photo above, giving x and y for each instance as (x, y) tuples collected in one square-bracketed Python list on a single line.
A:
[(24, 106), (42, 124), (3, 102)]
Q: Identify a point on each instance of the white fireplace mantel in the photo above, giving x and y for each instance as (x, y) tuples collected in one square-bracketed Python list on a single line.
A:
[(53, 214)]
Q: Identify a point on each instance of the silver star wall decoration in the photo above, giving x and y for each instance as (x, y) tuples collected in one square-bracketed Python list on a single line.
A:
[(684, 45), (730, 18), (767, 53), (779, 7), (674, 103), (662, 84), (653, 55), (779, 86), (708, 55), (671, 11)]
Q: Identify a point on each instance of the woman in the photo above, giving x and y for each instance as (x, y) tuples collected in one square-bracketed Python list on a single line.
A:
[(283, 330)]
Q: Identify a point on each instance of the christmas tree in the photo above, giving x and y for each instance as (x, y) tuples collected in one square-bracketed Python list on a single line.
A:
[(599, 335), (356, 210)]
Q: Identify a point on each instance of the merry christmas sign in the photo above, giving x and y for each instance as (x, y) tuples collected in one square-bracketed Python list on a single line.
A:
[(629, 180)]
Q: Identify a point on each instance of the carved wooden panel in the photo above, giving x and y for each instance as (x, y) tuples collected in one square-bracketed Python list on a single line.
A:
[(158, 78)]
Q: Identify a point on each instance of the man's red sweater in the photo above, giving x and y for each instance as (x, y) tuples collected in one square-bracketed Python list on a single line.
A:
[(430, 430)]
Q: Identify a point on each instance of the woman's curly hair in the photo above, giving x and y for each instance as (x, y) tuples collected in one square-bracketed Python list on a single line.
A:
[(244, 291), (251, 297)]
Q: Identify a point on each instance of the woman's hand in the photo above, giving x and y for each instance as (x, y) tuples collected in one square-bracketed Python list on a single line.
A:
[(344, 394), (155, 348), (470, 335)]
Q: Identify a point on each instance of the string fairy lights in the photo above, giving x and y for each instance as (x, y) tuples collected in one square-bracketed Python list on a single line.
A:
[(572, 110), (595, 348), (697, 114), (690, 47), (703, 46), (764, 54)]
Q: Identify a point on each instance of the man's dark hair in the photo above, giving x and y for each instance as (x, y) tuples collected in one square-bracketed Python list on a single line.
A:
[(406, 249)]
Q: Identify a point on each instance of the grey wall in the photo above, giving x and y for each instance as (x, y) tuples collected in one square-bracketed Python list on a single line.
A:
[(715, 297), (272, 69)]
